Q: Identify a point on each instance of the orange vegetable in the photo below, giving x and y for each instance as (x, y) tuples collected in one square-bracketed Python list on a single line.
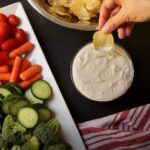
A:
[(16, 70), (4, 69), (25, 84), (25, 65), (30, 72), (36, 77), (5, 76), (23, 49)]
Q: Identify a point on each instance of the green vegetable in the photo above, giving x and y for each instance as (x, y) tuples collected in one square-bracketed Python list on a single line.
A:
[(4, 92), (25, 136), (41, 89), (31, 98), (45, 134), (17, 106), (54, 125), (44, 114), (16, 147), (13, 88), (28, 117), (14, 97), (59, 146), (32, 144), (11, 129), (3, 143), (1, 98), (9, 102)]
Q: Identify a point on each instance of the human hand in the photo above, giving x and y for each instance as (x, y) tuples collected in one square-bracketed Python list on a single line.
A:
[(122, 14)]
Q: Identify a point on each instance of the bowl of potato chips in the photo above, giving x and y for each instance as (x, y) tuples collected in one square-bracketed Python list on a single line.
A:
[(74, 14)]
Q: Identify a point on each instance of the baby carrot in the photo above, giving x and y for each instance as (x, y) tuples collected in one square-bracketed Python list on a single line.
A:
[(4, 69), (25, 48), (25, 64), (36, 77), (25, 84), (16, 70), (30, 72), (5, 76)]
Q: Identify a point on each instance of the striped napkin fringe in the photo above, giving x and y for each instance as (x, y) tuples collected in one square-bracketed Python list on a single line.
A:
[(127, 130)]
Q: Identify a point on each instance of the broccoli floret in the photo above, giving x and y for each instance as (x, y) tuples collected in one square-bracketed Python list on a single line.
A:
[(3, 143), (16, 147), (59, 146), (45, 134), (11, 130), (25, 137), (32, 144), (54, 125)]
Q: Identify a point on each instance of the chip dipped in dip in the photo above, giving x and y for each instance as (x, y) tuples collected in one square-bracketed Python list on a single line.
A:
[(102, 75)]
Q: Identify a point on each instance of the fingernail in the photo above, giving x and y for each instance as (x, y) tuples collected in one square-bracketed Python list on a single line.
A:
[(106, 29)]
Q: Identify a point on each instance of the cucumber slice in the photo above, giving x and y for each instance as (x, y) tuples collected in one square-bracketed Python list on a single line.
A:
[(9, 101), (14, 88), (12, 97), (44, 114), (31, 98), (41, 89), (7, 105), (17, 106), (1, 98), (28, 117), (4, 92)]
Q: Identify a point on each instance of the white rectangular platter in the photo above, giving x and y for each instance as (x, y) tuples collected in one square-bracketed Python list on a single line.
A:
[(57, 103)]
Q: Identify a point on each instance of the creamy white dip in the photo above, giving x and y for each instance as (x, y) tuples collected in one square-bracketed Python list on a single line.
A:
[(102, 75)]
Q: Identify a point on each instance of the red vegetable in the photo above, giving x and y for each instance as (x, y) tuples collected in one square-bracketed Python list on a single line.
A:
[(21, 36), (9, 45), (3, 17), (1, 40), (3, 59), (13, 20), (4, 29), (13, 30)]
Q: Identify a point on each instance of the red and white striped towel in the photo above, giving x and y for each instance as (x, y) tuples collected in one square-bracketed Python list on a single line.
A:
[(127, 130)]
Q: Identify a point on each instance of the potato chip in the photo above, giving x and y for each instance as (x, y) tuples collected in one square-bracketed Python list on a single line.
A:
[(101, 39), (74, 11), (79, 10), (50, 2), (93, 4), (60, 10), (65, 3), (84, 22)]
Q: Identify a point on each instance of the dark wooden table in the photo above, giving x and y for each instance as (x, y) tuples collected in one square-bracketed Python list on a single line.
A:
[(60, 45)]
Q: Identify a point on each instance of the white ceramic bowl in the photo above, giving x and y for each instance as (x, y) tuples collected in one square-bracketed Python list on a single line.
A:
[(114, 97), (77, 26)]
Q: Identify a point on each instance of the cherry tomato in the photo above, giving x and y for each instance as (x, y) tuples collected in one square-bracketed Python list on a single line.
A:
[(21, 36), (3, 17), (13, 30), (9, 45), (13, 20), (1, 40), (4, 29), (3, 59)]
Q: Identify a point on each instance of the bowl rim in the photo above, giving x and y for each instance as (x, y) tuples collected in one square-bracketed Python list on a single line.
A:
[(103, 101), (60, 22)]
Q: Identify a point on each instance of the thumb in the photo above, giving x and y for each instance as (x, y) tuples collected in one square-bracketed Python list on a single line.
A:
[(114, 22)]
